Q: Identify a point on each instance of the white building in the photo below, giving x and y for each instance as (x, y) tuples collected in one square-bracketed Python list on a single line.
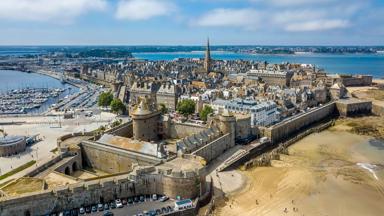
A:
[(263, 113)]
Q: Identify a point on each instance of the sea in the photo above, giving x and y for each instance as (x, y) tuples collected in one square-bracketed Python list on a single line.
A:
[(368, 64)]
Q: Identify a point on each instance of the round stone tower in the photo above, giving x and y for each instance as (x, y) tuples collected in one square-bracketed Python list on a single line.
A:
[(145, 122), (228, 124)]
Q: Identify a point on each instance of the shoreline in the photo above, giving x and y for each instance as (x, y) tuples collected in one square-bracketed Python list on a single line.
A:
[(321, 166)]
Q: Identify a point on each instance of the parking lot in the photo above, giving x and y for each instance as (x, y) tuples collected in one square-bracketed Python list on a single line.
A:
[(139, 208), (145, 205)]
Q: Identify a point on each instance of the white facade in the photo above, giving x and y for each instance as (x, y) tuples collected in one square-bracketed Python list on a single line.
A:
[(262, 113)]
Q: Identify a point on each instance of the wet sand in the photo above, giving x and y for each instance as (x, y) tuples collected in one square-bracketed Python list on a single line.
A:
[(329, 173)]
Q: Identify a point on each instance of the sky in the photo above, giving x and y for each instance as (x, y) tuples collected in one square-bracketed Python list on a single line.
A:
[(190, 22)]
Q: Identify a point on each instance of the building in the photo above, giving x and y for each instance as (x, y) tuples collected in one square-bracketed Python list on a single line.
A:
[(168, 94), (207, 59), (271, 77), (145, 118), (262, 113), (10, 145)]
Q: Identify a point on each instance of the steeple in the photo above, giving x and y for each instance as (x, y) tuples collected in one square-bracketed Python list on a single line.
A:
[(207, 60)]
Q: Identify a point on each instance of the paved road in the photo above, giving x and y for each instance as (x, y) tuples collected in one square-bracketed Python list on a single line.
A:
[(134, 209)]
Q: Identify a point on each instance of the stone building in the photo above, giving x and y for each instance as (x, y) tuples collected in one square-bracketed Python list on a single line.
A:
[(168, 94), (272, 77), (146, 120), (10, 145)]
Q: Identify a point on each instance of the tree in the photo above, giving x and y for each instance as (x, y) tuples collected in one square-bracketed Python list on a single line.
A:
[(186, 107), (163, 108), (117, 106), (105, 99), (205, 112)]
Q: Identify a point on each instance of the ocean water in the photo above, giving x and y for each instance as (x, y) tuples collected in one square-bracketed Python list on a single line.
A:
[(332, 63)]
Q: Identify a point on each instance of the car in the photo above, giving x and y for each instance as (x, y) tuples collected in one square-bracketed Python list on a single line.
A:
[(118, 203), (164, 210), (159, 212), (130, 200), (74, 212), (145, 213), (108, 213), (100, 207), (141, 198), (88, 209), (112, 205), (67, 213), (154, 196), (164, 198), (94, 208), (124, 201), (170, 208), (136, 199), (140, 214), (152, 213), (106, 206), (82, 210)]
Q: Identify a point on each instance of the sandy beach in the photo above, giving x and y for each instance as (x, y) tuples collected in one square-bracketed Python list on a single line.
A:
[(329, 173)]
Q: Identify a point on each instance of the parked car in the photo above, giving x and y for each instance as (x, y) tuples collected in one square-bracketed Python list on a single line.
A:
[(154, 196), (100, 207), (130, 200), (141, 198), (136, 199), (164, 210), (118, 203), (94, 208), (82, 210), (124, 201), (88, 209), (106, 206), (112, 205), (108, 213), (164, 198)]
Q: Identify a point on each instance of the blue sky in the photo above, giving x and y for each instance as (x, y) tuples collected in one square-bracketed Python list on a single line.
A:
[(189, 22)]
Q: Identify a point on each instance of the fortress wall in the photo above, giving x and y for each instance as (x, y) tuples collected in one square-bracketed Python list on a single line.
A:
[(289, 127), (75, 163), (123, 130), (353, 107), (215, 148), (377, 109), (112, 160), (102, 190), (178, 130)]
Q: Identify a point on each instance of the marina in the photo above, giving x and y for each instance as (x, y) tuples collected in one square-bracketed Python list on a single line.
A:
[(34, 94)]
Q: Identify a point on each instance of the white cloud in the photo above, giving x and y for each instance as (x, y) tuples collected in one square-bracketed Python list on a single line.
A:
[(244, 18), (317, 25), (47, 10), (143, 9), (293, 3)]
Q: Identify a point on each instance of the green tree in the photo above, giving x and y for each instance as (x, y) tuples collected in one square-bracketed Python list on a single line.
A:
[(163, 108), (186, 107), (105, 99), (117, 106), (205, 112)]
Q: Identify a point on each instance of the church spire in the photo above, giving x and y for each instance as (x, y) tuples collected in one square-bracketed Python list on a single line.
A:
[(207, 60)]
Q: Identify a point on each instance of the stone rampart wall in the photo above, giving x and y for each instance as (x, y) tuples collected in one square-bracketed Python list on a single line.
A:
[(180, 130), (354, 108), (102, 190), (123, 130), (287, 128), (215, 148), (377, 109), (111, 159)]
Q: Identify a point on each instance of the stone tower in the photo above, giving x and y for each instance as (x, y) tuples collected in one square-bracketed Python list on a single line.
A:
[(228, 125), (145, 120), (207, 60)]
